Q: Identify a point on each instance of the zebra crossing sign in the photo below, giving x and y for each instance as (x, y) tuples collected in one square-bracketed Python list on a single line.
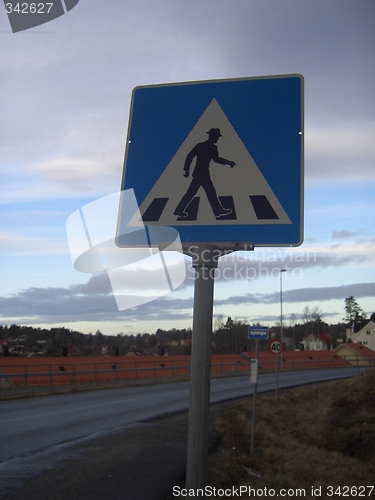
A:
[(221, 161)]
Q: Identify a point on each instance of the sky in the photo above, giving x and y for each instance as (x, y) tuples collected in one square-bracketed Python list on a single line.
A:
[(65, 98)]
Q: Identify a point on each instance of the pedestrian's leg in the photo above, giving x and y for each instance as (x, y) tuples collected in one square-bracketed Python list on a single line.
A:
[(188, 196), (216, 206)]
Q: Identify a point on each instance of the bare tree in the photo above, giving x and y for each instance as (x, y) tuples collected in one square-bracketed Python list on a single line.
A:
[(218, 322), (306, 316), (292, 323), (316, 317)]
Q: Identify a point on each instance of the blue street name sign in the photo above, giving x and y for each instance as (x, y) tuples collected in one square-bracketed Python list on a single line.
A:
[(258, 332), (221, 161)]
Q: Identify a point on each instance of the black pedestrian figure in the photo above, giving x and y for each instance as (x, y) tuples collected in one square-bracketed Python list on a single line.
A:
[(204, 152)]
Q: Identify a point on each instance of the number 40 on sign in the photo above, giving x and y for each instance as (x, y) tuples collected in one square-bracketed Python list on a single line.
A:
[(276, 346)]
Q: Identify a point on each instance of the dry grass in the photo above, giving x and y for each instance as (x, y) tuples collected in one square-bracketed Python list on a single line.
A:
[(316, 436)]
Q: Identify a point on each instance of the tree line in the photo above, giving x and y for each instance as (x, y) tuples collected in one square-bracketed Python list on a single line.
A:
[(229, 336)]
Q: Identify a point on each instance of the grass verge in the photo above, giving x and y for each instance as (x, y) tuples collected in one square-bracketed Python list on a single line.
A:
[(317, 436)]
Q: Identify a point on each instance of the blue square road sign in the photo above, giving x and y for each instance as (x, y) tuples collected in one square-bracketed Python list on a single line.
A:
[(221, 161), (258, 332)]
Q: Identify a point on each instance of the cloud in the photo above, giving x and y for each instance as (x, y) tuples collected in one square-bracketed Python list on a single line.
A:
[(15, 244), (304, 295), (267, 263), (94, 301), (344, 234), (98, 284), (65, 105), (341, 151), (358, 290), (66, 160), (297, 317)]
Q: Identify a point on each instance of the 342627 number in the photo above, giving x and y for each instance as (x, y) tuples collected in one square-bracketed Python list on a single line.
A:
[(29, 8), (349, 491)]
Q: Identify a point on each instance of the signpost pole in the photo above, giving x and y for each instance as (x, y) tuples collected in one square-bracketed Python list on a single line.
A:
[(204, 263), (276, 347), (254, 401), (277, 378)]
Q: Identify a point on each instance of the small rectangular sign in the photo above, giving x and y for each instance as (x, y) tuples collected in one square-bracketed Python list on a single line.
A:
[(254, 371), (258, 332)]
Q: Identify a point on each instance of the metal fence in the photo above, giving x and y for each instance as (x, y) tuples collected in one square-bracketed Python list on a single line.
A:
[(67, 372)]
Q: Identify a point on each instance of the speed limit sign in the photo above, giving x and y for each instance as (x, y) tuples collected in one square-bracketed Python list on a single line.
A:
[(276, 346)]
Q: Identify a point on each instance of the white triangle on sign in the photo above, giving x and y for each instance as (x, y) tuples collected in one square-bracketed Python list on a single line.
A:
[(244, 183)]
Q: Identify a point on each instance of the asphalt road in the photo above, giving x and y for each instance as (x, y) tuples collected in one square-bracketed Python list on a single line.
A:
[(47, 444)]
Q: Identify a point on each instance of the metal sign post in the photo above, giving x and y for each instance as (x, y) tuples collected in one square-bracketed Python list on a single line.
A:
[(204, 263), (276, 347), (256, 333), (254, 401), (277, 379)]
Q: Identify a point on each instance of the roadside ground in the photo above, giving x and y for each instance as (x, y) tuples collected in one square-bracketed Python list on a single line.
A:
[(143, 462)]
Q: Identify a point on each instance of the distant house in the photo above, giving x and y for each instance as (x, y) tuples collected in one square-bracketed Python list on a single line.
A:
[(356, 354), (363, 333), (317, 342), (135, 353)]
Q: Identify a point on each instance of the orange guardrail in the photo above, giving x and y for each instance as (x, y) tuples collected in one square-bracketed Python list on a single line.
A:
[(72, 370), (21, 372)]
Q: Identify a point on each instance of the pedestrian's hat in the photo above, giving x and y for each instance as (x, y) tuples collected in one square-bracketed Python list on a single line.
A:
[(214, 131)]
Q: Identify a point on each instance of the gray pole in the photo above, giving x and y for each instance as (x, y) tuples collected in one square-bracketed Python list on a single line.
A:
[(277, 378), (254, 402), (281, 309), (204, 263)]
